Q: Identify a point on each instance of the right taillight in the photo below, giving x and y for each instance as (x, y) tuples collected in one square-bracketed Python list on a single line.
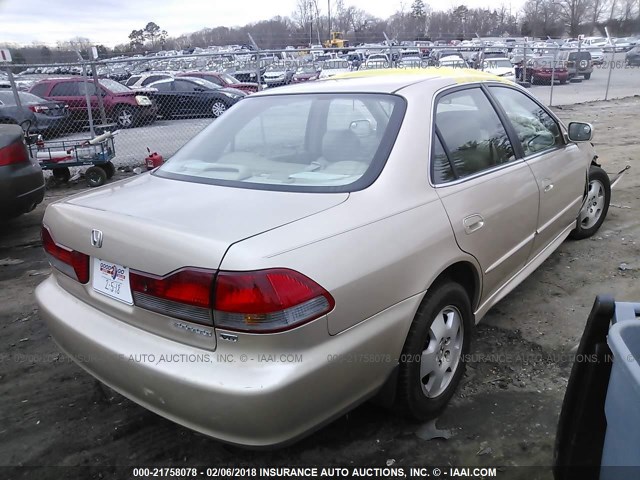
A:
[(71, 263), (267, 300), (13, 153)]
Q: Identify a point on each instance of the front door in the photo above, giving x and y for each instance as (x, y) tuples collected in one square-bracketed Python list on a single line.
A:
[(559, 167)]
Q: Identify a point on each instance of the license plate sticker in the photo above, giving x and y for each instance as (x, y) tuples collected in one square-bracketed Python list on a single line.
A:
[(112, 280)]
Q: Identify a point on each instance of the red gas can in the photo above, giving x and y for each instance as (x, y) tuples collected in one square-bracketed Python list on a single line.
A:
[(153, 160)]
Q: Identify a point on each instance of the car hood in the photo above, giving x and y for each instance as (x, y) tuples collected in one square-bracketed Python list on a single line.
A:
[(158, 225)]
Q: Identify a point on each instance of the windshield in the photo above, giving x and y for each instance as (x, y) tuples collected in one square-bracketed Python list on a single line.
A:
[(228, 78), (204, 83), (114, 86), (498, 64), (303, 142)]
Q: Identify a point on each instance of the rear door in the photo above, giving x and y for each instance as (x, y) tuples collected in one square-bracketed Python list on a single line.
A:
[(186, 97), (69, 93), (488, 192), (559, 167)]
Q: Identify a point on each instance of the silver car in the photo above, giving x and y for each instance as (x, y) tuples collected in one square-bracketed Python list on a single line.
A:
[(319, 245)]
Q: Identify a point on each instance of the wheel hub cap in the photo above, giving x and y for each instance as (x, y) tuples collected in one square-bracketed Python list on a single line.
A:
[(441, 355), (593, 207)]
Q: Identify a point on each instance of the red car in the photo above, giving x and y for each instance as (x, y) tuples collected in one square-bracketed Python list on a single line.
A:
[(224, 80), (541, 70), (126, 107)]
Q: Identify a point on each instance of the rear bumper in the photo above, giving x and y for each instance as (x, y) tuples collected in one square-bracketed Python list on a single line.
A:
[(21, 190), (547, 76), (259, 397)]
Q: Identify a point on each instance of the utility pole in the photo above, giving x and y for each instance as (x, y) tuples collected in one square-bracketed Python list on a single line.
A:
[(329, 17)]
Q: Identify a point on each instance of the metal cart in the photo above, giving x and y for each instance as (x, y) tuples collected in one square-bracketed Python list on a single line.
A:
[(59, 155)]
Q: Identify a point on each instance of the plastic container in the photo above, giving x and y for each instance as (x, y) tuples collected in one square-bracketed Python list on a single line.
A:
[(622, 407), (154, 160)]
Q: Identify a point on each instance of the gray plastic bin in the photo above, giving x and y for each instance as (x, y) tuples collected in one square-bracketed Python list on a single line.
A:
[(622, 407)]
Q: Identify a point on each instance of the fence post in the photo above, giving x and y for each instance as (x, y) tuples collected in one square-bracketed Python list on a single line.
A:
[(96, 83), (255, 45), (14, 88), (553, 76), (88, 98), (391, 62), (524, 62)]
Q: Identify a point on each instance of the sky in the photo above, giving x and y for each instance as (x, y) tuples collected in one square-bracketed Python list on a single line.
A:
[(109, 22)]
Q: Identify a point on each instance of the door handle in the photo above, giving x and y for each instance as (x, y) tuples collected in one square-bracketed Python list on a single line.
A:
[(547, 185), (473, 223)]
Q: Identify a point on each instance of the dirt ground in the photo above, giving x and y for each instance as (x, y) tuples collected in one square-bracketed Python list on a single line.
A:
[(505, 413)]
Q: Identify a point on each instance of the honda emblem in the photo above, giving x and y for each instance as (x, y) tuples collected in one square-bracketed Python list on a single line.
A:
[(96, 238)]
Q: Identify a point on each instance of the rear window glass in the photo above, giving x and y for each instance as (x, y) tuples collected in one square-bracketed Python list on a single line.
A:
[(311, 142)]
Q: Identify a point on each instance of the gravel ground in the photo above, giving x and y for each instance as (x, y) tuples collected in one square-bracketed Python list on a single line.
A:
[(504, 413)]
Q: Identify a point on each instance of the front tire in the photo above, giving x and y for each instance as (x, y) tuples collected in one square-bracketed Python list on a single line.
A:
[(432, 362), (596, 205)]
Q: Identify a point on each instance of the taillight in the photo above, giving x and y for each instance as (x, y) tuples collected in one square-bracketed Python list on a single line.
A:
[(184, 294), (38, 108), (13, 153), (268, 300), (71, 263)]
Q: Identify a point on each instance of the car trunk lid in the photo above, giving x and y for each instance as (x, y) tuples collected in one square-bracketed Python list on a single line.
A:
[(158, 226)]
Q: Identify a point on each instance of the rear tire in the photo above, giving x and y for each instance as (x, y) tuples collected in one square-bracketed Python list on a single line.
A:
[(95, 176), (432, 362), (109, 168), (595, 209), (586, 76), (61, 174), (218, 107)]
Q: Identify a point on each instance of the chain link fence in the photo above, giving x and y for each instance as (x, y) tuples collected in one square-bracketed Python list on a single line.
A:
[(157, 103)]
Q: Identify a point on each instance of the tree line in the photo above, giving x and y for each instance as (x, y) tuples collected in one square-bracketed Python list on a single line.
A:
[(311, 23)]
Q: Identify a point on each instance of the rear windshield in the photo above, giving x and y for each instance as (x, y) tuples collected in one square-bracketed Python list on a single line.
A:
[(8, 98), (309, 142), (579, 56)]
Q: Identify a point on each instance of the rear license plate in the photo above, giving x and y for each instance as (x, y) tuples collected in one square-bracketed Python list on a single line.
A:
[(112, 280)]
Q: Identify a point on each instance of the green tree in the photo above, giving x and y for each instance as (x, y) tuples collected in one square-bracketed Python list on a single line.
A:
[(154, 33), (418, 9), (136, 38)]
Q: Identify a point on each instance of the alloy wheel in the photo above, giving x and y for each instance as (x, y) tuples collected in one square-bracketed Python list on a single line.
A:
[(442, 353), (594, 205)]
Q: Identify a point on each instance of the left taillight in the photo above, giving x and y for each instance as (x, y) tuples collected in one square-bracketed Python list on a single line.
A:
[(70, 262), (13, 154)]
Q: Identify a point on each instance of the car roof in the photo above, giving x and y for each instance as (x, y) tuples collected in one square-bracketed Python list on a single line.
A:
[(388, 80)]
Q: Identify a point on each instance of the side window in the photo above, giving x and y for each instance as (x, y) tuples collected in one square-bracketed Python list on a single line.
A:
[(182, 86), (152, 78), (65, 89), (441, 167), (472, 132), (132, 79), (86, 87), (215, 80), (162, 86), (536, 129), (39, 90)]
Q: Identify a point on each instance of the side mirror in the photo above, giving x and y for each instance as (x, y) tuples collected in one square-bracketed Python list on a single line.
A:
[(580, 132)]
